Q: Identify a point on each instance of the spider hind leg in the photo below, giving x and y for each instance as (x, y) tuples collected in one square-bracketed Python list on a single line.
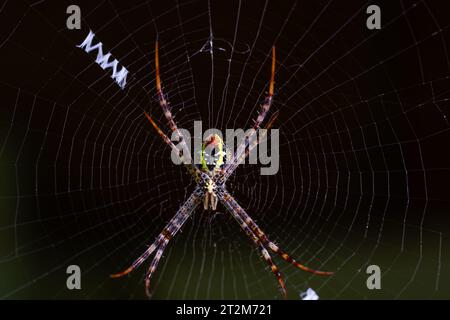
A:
[(168, 232), (234, 210), (153, 266), (231, 203), (283, 254)]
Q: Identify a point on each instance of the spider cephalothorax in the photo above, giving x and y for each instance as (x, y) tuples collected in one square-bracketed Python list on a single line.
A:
[(210, 198), (211, 176)]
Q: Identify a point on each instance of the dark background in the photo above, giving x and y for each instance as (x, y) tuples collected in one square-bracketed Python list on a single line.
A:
[(364, 160)]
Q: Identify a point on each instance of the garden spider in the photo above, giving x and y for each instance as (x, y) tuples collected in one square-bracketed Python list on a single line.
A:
[(211, 186)]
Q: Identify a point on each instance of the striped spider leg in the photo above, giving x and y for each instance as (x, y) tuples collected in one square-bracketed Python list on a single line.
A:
[(166, 109), (191, 168), (184, 153), (169, 231), (241, 149), (234, 208), (226, 197), (229, 170)]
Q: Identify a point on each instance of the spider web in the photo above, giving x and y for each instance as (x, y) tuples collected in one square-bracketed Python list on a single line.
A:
[(364, 160)]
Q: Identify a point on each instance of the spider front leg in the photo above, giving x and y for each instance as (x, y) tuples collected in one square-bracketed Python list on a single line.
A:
[(225, 174), (241, 149), (192, 169), (166, 109)]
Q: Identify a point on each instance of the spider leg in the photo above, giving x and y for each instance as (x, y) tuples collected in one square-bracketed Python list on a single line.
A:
[(232, 166), (234, 210), (153, 265), (240, 150), (269, 260), (260, 138), (169, 231), (192, 169), (166, 109), (283, 254), (225, 196), (142, 258)]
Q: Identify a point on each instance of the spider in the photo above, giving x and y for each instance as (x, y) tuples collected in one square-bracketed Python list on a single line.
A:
[(211, 177)]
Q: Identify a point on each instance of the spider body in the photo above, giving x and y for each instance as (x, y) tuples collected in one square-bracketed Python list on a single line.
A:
[(211, 176), (212, 160)]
